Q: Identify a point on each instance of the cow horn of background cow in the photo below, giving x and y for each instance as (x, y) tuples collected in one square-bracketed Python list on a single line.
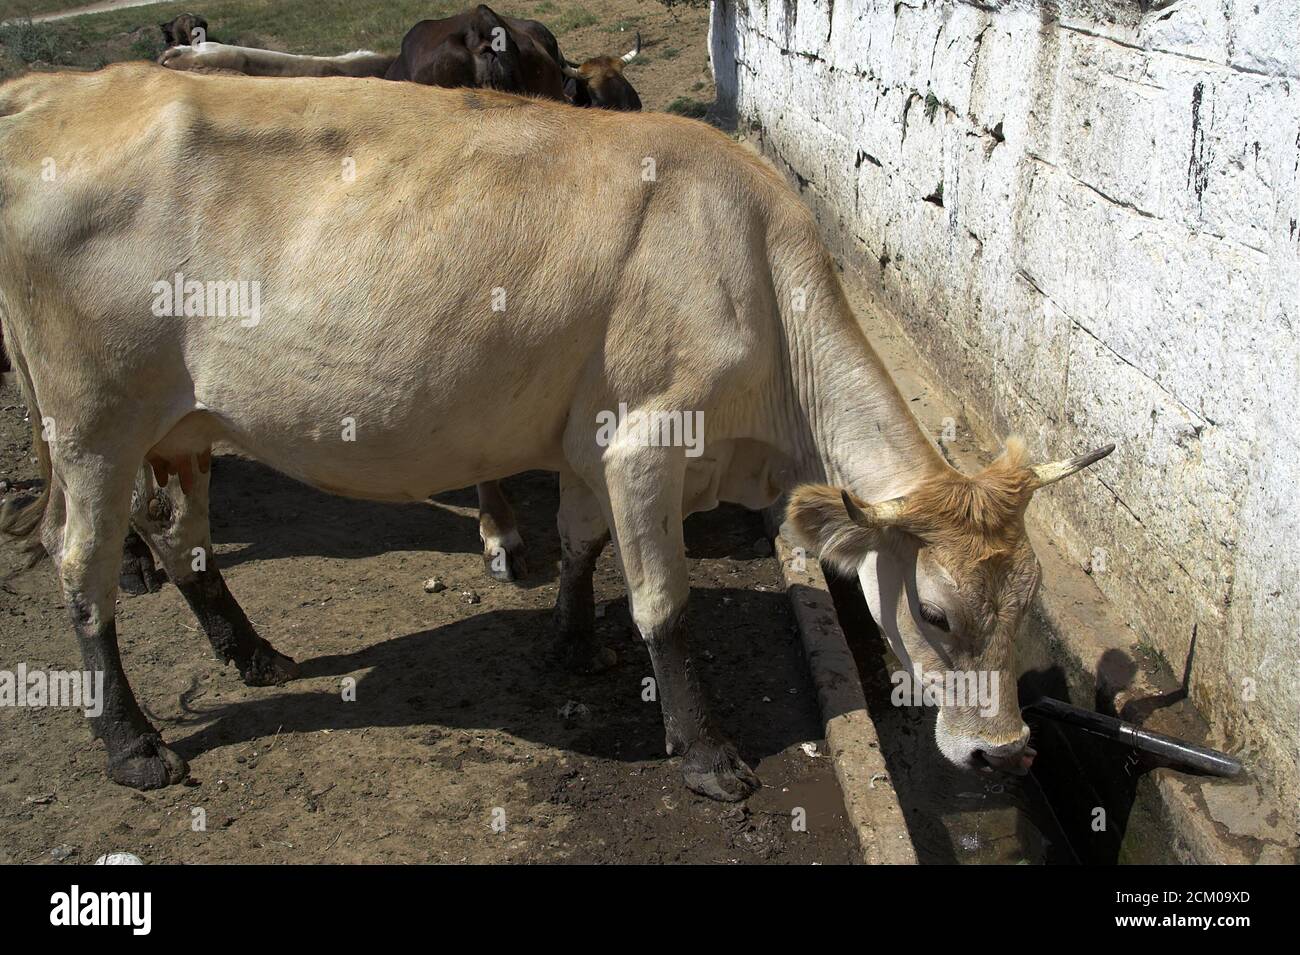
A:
[(632, 54), (1051, 473), (572, 73), (873, 515)]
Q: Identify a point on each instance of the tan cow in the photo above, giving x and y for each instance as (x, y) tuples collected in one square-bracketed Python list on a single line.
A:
[(454, 51), (376, 225)]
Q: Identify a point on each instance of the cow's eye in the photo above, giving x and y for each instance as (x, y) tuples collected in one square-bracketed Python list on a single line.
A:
[(934, 615)]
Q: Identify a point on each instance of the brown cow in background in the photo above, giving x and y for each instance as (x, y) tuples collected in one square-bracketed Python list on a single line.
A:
[(600, 82), (477, 48), (482, 49)]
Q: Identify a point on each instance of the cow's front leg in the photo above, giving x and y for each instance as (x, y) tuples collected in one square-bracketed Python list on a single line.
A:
[(139, 574), (584, 533), (503, 548), (645, 502), (95, 499), (174, 518)]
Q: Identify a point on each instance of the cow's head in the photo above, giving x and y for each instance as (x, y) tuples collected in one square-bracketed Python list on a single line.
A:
[(600, 82), (184, 30), (947, 572), (494, 51)]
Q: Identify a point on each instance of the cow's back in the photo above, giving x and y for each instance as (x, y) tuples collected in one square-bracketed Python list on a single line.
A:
[(415, 248)]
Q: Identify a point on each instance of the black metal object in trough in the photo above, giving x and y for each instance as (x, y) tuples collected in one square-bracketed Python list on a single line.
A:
[(1175, 750)]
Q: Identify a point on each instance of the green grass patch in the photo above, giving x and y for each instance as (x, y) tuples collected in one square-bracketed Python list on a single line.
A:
[(688, 106), (146, 47), (326, 27), (26, 42), (21, 9), (295, 26)]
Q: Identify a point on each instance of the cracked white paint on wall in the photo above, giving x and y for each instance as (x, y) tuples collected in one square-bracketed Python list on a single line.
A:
[(1087, 215)]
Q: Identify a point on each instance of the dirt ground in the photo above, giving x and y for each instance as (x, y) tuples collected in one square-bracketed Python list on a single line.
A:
[(462, 719), (460, 709)]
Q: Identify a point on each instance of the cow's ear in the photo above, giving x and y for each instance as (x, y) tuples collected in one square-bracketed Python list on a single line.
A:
[(834, 524), (577, 92)]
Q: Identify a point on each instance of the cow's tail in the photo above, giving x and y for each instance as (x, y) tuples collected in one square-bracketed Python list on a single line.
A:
[(21, 514)]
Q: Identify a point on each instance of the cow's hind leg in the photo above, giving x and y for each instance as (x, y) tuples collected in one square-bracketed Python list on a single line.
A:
[(139, 574), (645, 502), (503, 548), (584, 533), (94, 506), (174, 519)]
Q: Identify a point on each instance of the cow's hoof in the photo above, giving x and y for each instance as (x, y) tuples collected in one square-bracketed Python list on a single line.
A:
[(132, 583), (138, 581), (717, 771), (268, 667), (582, 657), (503, 558), (178, 58), (139, 575), (149, 764)]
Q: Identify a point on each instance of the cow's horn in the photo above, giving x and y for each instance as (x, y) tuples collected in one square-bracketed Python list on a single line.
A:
[(632, 54), (1051, 473), (873, 515), (572, 73)]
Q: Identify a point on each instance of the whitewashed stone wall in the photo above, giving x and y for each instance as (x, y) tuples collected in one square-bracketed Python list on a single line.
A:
[(1085, 212)]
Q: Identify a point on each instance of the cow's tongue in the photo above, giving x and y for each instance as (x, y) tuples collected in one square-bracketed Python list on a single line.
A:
[(1016, 765)]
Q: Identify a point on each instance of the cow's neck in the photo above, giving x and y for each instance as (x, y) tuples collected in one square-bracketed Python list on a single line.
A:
[(856, 428)]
